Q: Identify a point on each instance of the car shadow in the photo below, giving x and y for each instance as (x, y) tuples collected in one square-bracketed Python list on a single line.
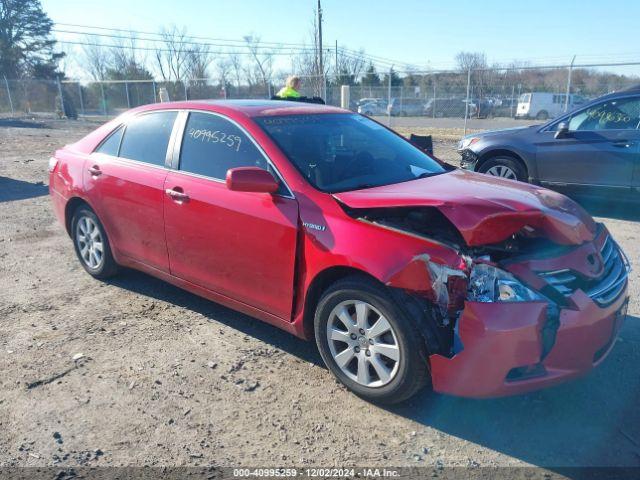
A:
[(12, 189), (18, 123), (592, 421), (149, 286)]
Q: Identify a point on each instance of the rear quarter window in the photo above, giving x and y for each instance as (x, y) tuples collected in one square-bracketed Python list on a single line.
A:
[(146, 137), (111, 145)]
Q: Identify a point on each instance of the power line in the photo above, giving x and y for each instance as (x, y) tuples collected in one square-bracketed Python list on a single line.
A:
[(130, 31), (150, 49), (209, 41), (173, 40), (380, 64)]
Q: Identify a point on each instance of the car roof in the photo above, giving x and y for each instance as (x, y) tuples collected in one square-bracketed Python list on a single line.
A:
[(250, 108)]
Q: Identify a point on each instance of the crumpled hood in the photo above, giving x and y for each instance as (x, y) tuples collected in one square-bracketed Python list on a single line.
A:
[(485, 209)]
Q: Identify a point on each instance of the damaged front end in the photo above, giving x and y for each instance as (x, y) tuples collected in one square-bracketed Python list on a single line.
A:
[(492, 324)]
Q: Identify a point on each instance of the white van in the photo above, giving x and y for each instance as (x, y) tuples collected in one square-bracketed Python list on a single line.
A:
[(544, 105)]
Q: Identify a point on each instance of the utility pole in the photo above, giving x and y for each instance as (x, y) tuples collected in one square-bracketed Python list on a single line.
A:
[(466, 103), (337, 72), (320, 66), (389, 98), (566, 100)]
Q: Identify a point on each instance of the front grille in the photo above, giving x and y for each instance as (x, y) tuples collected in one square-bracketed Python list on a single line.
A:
[(603, 290)]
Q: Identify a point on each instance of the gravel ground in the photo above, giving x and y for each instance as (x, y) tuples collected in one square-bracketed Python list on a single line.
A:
[(137, 372)]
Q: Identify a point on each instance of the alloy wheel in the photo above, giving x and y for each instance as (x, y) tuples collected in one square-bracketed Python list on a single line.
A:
[(502, 171), (363, 343), (90, 242)]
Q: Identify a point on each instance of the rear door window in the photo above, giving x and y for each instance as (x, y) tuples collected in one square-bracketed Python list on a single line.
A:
[(146, 137), (212, 145)]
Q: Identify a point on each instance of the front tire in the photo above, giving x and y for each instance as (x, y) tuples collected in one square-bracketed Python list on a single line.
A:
[(92, 244), (368, 342), (504, 167), (542, 115)]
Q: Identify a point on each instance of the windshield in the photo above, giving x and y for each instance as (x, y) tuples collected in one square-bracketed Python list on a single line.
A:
[(340, 152)]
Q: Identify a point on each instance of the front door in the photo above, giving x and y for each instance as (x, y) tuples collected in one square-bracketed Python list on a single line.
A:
[(598, 155), (238, 244)]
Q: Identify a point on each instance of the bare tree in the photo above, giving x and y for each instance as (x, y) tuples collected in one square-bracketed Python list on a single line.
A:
[(236, 68), (96, 59), (349, 67), (306, 64), (263, 60), (124, 62), (172, 56), (470, 60), (223, 67), (198, 59), (476, 62)]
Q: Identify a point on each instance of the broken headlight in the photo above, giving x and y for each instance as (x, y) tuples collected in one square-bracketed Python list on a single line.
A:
[(490, 284), (467, 142)]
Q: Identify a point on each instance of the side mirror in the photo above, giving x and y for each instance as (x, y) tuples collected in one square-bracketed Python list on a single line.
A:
[(562, 130), (251, 179)]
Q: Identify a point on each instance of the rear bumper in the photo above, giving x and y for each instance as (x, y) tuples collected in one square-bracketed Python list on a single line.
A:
[(58, 200), (498, 338)]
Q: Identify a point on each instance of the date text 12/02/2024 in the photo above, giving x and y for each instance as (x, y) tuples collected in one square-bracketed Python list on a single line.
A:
[(316, 472)]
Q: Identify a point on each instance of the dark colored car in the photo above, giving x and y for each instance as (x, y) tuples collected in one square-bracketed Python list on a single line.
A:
[(404, 107), (405, 271), (591, 151), (449, 107), (484, 108)]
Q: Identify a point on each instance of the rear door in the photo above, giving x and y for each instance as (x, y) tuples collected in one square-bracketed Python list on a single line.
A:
[(125, 184), (238, 244), (600, 153)]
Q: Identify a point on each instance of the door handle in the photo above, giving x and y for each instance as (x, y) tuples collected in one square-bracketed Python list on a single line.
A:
[(177, 195), (95, 171), (621, 143)]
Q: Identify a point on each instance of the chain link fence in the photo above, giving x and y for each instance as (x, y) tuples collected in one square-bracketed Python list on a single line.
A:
[(460, 96)]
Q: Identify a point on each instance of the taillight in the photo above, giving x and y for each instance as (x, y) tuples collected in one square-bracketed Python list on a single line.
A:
[(53, 161)]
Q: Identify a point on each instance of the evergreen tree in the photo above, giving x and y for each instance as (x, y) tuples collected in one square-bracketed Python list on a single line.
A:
[(26, 45), (371, 77)]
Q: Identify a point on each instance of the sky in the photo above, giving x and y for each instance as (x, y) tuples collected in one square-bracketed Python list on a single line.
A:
[(424, 33)]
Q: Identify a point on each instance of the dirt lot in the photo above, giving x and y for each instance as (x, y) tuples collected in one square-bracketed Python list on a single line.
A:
[(167, 378)]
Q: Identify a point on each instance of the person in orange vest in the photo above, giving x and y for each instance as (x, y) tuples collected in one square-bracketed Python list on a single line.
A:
[(290, 90)]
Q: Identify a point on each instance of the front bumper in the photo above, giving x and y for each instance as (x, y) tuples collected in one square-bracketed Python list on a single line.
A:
[(498, 338)]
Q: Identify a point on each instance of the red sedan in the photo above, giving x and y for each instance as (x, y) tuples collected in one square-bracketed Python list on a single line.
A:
[(324, 223)]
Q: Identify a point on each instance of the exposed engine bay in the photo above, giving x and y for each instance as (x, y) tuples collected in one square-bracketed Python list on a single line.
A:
[(447, 289)]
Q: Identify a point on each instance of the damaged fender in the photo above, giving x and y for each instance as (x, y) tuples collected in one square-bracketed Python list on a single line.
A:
[(442, 285)]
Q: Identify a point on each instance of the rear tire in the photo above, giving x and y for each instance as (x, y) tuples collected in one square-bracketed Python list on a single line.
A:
[(357, 352), (505, 167), (92, 244)]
